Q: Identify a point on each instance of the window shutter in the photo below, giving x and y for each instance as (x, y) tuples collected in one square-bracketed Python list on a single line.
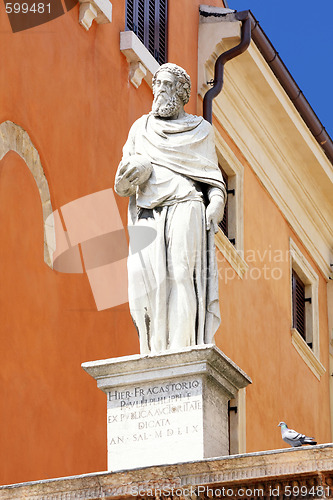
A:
[(298, 305), (148, 20), (141, 20), (130, 16), (224, 222), (161, 31), (151, 27)]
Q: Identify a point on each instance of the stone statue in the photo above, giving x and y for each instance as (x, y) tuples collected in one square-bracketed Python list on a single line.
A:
[(169, 170)]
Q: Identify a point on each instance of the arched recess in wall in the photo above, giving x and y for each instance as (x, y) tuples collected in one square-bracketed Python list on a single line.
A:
[(15, 138)]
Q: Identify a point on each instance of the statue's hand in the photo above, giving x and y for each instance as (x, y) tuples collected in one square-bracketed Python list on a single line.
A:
[(136, 169), (214, 212), (122, 185), (133, 171)]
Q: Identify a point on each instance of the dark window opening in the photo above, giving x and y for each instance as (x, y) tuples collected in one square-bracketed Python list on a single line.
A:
[(224, 222), (233, 426), (299, 321), (148, 20)]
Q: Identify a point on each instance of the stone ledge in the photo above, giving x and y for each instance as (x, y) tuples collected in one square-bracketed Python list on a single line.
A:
[(310, 464), (146, 368), (142, 63)]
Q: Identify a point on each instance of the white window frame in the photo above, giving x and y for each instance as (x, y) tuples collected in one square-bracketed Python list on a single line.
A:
[(310, 278), (233, 168)]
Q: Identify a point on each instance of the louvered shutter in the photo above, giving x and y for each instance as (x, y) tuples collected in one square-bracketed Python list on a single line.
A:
[(131, 16), (141, 20), (148, 20), (298, 305), (152, 31), (161, 31), (224, 222)]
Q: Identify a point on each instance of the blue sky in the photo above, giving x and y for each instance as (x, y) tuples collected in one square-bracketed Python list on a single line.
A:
[(301, 31)]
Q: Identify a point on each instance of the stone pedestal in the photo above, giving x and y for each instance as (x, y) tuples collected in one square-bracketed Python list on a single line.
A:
[(168, 408)]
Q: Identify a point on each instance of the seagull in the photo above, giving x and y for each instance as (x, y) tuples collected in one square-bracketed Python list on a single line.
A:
[(294, 438)]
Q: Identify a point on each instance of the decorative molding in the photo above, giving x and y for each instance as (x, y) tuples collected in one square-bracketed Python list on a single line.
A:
[(301, 261), (331, 386), (100, 10), (274, 170), (297, 466), (262, 121), (307, 354), (87, 14), (330, 317), (330, 330), (211, 31), (230, 254), (15, 138), (139, 58), (137, 73)]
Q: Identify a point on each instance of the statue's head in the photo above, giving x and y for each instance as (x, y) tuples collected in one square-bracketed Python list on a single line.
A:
[(172, 89)]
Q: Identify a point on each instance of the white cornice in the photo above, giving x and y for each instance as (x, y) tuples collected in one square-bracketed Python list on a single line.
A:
[(142, 63), (264, 124)]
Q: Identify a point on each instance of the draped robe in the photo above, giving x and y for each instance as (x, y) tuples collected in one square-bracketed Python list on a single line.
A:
[(173, 281)]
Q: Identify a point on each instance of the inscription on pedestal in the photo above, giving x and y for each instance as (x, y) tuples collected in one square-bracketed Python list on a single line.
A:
[(168, 408), (150, 422)]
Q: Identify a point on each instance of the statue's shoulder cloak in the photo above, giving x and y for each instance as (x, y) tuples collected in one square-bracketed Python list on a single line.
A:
[(184, 145)]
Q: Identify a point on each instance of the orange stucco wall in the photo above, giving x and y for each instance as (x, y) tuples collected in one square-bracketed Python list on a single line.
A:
[(69, 90), (256, 327)]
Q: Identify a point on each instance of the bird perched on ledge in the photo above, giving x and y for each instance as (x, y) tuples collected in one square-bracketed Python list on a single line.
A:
[(294, 438)]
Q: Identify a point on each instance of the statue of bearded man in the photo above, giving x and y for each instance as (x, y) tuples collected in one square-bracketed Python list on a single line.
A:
[(170, 172)]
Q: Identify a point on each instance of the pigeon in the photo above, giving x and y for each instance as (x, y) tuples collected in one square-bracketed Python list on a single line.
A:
[(294, 438)]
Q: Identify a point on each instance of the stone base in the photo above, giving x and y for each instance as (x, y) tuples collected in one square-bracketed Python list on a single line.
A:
[(272, 474), (168, 408)]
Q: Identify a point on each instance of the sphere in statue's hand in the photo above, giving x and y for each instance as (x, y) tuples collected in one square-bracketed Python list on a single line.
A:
[(136, 169)]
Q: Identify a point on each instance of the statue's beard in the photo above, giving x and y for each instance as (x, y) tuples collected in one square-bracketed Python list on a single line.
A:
[(165, 106)]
